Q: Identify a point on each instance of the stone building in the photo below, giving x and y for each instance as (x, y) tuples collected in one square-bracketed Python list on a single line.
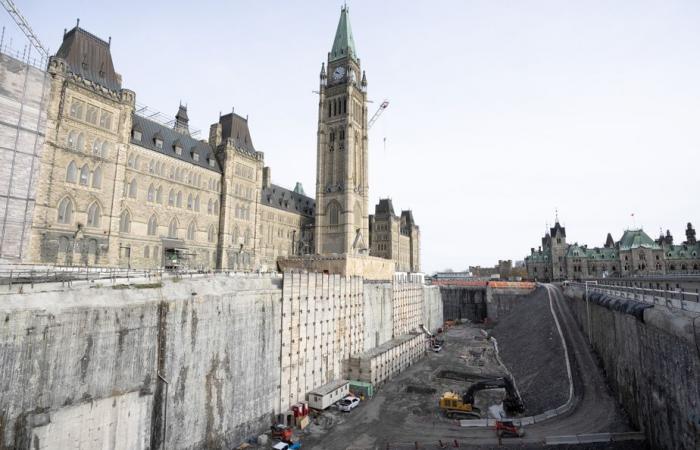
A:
[(395, 237), (121, 189), (635, 254)]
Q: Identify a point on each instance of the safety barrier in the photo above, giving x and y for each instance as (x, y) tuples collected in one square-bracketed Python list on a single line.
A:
[(687, 301)]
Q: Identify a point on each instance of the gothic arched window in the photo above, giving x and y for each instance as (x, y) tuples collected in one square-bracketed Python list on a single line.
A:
[(333, 213), (172, 229), (72, 173), (65, 211), (152, 226), (84, 175), (97, 178), (125, 222), (191, 230), (93, 215)]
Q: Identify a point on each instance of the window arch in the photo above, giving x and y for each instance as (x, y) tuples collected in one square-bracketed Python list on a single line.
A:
[(133, 188), (172, 229), (72, 172), (151, 196), (196, 203), (65, 211), (106, 147), (137, 161), (97, 178), (159, 195), (72, 140), (125, 222), (152, 226), (190, 202), (178, 202), (247, 236), (130, 161), (211, 234), (171, 198), (216, 207), (158, 168), (210, 206), (84, 175), (96, 147), (333, 212), (80, 142), (94, 215), (191, 231), (151, 166)]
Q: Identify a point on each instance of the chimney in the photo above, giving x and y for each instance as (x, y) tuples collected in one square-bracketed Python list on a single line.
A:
[(215, 134), (267, 177)]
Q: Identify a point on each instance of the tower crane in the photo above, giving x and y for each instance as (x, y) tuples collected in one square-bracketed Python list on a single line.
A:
[(24, 26), (382, 107)]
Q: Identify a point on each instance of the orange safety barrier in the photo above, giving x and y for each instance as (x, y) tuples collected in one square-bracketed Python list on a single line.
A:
[(512, 284)]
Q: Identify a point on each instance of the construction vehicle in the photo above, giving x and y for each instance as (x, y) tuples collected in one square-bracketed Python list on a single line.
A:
[(506, 428), (462, 407), (281, 432)]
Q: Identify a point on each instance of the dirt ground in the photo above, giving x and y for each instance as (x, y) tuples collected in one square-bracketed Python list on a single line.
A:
[(404, 411)]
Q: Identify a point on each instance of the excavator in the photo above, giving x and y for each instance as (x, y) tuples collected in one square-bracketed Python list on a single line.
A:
[(462, 407)]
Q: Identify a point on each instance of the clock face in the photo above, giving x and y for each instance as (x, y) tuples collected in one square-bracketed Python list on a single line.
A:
[(338, 73)]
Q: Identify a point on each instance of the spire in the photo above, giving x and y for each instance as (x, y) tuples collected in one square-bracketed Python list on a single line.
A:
[(343, 44)]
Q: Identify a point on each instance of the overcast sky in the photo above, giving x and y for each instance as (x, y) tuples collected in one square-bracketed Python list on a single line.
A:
[(501, 111)]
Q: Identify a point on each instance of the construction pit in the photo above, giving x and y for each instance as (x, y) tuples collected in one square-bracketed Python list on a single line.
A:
[(405, 413)]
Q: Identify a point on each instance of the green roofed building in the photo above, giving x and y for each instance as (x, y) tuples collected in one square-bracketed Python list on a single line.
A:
[(635, 253)]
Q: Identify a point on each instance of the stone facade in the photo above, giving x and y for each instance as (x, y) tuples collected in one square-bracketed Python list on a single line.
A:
[(635, 254), (117, 187), (395, 237)]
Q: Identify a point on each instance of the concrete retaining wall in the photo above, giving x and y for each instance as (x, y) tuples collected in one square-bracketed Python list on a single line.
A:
[(652, 365)]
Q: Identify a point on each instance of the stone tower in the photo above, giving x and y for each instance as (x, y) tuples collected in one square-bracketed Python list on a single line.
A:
[(341, 222), (559, 248)]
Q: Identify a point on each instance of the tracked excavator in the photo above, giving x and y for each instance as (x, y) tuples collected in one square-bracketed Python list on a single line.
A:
[(462, 407)]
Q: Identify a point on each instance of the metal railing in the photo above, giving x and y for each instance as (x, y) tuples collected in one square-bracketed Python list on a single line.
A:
[(688, 301), (16, 274)]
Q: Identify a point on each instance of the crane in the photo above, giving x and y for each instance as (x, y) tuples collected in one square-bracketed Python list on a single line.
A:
[(382, 107), (24, 26)]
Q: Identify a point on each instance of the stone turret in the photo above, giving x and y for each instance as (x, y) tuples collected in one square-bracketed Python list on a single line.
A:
[(690, 235), (182, 121)]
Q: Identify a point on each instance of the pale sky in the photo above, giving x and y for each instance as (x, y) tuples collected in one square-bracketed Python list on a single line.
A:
[(500, 111)]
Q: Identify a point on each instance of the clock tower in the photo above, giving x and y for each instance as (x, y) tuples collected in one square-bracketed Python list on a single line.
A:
[(341, 222)]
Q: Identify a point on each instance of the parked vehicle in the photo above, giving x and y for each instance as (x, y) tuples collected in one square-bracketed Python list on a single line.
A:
[(287, 445), (348, 403), (436, 348)]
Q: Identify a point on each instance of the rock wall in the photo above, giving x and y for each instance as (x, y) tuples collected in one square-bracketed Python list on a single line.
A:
[(187, 363), (499, 301), (461, 302), (652, 365), (84, 356)]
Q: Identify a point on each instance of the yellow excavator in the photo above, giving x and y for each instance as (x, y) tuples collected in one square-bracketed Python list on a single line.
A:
[(457, 406)]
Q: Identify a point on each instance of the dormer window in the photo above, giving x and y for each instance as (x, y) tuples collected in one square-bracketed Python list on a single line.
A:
[(178, 150), (137, 135), (159, 143), (212, 162), (195, 156)]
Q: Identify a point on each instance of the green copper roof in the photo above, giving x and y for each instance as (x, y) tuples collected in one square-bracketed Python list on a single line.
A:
[(636, 238), (343, 44)]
